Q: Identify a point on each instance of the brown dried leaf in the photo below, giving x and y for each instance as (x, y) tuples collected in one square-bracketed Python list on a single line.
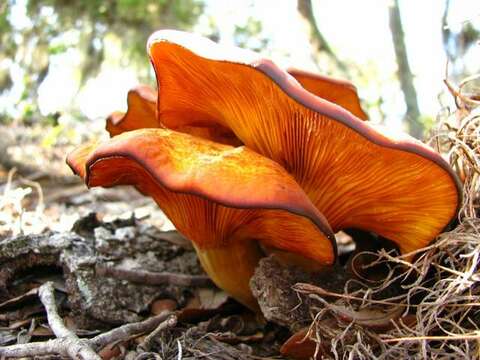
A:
[(110, 351), (17, 301), (299, 346), (161, 305), (211, 299)]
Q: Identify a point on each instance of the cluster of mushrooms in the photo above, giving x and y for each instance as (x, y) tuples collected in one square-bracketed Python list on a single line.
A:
[(245, 158)]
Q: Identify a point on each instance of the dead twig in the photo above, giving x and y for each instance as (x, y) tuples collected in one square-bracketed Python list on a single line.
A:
[(170, 322), (153, 278), (56, 346), (59, 346), (67, 342), (475, 336), (128, 330), (312, 289), (375, 319), (14, 301), (74, 346)]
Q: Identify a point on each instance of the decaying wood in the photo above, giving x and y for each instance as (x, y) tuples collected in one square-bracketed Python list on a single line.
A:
[(272, 285), (97, 300), (59, 346)]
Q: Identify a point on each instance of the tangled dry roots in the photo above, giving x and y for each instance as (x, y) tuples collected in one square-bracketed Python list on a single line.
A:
[(436, 315)]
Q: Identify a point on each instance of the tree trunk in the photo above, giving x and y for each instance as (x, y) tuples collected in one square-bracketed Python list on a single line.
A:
[(446, 32), (404, 73), (318, 42)]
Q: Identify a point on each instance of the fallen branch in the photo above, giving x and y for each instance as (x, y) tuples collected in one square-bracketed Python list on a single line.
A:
[(126, 331), (59, 346), (50, 347), (74, 346), (153, 278)]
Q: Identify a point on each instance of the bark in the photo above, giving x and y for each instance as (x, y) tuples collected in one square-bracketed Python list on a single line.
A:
[(272, 285), (405, 75), (98, 300), (317, 40), (62, 345)]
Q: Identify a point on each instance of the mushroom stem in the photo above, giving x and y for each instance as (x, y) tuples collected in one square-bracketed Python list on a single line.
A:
[(238, 262)]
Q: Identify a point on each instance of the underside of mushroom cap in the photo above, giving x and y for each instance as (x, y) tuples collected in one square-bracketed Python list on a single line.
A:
[(222, 198), (142, 104), (141, 112), (340, 92), (355, 175)]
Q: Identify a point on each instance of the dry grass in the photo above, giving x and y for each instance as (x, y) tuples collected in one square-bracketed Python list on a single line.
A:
[(436, 315)]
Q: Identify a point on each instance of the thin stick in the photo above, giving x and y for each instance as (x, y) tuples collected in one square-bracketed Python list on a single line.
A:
[(153, 278), (435, 338), (128, 330), (75, 347), (60, 346), (55, 346), (169, 323), (308, 288)]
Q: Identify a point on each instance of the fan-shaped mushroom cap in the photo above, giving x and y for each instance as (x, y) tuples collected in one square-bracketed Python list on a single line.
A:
[(141, 112), (355, 175), (223, 199), (142, 104)]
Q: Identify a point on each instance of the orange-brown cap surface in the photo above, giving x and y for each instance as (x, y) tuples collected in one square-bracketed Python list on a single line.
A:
[(224, 199), (356, 175)]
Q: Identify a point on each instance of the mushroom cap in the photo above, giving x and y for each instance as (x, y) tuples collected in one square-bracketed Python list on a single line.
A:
[(142, 104), (141, 112), (337, 91), (224, 199), (356, 175)]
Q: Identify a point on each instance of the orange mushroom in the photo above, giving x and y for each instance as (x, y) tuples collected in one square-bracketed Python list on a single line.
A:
[(226, 200), (357, 176)]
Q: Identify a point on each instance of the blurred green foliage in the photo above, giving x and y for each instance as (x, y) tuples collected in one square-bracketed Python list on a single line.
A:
[(55, 26), (133, 19), (248, 35)]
